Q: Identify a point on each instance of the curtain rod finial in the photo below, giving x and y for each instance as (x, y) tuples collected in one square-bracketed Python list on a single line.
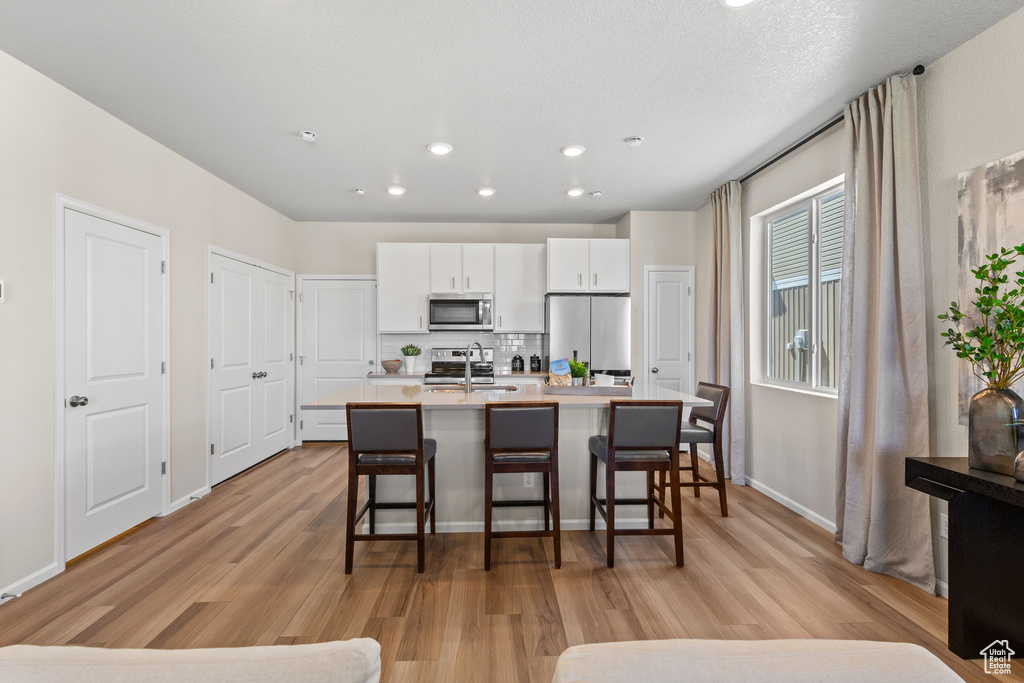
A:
[(919, 69)]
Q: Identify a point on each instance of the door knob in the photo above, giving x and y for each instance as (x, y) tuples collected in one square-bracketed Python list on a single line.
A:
[(263, 374), (371, 362), (78, 401), (255, 375), (654, 370)]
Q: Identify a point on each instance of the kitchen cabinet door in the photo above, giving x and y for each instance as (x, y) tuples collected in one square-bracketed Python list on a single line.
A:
[(445, 268), (519, 287), (609, 265), (403, 281), (568, 265), (478, 268)]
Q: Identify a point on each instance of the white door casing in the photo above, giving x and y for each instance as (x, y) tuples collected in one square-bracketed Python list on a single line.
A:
[(115, 438), (668, 327), (251, 323), (338, 340)]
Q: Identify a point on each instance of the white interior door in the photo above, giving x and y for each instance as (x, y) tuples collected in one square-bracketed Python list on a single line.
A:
[(114, 426), (339, 334), (669, 337), (251, 333)]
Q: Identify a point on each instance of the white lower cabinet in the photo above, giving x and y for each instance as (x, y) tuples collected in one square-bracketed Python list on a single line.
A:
[(519, 286), (403, 283)]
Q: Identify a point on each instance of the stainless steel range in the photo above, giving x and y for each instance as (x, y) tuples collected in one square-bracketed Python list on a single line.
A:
[(448, 366)]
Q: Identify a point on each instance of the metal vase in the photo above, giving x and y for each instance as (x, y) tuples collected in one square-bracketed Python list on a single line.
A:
[(993, 435)]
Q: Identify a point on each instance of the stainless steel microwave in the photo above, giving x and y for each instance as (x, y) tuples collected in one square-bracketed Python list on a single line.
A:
[(460, 312)]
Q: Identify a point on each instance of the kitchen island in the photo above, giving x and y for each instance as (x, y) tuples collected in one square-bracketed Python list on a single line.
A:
[(456, 420)]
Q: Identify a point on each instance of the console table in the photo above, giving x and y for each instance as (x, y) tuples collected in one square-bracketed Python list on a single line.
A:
[(986, 551)]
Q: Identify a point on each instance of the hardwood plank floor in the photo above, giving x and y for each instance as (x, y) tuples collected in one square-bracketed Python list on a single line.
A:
[(260, 561)]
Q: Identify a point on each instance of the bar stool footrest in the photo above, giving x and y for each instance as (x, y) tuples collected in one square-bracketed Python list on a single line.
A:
[(518, 503)]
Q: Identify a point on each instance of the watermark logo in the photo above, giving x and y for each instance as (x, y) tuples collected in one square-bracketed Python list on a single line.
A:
[(997, 657)]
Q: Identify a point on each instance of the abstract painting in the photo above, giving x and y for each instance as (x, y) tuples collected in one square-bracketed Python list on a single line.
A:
[(991, 201)]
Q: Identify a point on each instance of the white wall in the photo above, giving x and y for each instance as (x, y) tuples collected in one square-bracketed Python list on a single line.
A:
[(53, 141), (352, 247), (971, 111)]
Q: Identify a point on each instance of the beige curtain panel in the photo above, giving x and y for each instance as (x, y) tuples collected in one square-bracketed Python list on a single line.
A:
[(883, 381), (725, 358)]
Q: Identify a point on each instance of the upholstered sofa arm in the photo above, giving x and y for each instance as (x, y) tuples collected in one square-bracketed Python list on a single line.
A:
[(350, 661), (768, 661)]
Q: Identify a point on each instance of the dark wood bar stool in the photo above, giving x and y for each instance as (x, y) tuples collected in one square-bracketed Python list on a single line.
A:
[(387, 438), (643, 436), (693, 434), (522, 437)]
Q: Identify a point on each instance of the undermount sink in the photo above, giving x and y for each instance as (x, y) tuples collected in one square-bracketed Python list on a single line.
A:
[(475, 389)]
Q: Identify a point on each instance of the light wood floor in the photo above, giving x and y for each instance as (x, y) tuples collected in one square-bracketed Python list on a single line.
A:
[(260, 561)]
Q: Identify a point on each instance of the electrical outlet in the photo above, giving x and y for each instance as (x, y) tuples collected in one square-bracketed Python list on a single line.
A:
[(528, 480), (944, 526)]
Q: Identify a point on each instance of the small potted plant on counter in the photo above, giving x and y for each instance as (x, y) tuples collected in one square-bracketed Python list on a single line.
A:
[(579, 372), (409, 353)]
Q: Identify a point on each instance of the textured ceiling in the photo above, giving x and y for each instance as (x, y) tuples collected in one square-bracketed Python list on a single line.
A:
[(713, 91)]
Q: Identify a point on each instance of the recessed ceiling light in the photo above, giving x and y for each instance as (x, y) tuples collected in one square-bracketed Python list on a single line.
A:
[(596, 193), (735, 3), (359, 191), (573, 150), (440, 148), (486, 191), (575, 192), (396, 190), (308, 136), (634, 141)]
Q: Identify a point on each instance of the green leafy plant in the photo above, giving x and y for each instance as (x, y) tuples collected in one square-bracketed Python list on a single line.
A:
[(577, 369), (991, 337), (411, 350)]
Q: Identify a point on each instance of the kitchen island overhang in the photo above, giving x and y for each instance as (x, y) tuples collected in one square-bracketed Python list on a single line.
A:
[(456, 421)]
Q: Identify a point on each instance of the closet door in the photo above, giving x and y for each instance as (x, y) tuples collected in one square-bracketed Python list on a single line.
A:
[(251, 376)]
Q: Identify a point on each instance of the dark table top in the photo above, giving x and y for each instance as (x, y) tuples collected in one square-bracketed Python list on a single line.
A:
[(947, 478)]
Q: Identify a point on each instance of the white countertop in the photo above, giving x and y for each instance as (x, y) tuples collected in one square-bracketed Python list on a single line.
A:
[(421, 375), (415, 393)]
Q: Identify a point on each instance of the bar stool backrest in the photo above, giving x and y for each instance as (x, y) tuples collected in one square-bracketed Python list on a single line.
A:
[(645, 424), (384, 427), (719, 397), (518, 428)]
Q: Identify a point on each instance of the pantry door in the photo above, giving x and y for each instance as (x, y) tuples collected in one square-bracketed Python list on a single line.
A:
[(339, 340)]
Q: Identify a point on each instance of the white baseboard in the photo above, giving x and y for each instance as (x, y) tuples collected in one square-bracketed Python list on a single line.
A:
[(504, 525), (185, 500), (796, 507), (31, 581), (942, 588)]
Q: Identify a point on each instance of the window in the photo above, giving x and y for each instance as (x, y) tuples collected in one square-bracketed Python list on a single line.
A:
[(805, 262)]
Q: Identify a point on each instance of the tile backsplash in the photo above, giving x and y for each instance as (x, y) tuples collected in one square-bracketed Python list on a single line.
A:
[(505, 346)]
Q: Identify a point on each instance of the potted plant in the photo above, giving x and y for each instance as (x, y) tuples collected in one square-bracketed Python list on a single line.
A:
[(409, 353), (990, 336), (579, 371)]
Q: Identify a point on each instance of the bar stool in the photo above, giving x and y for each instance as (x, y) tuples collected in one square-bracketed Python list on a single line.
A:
[(387, 438), (643, 436), (693, 434), (522, 437)]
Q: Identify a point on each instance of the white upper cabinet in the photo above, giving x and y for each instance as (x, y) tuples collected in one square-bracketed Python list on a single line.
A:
[(445, 268), (588, 265), (609, 265), (458, 268), (519, 286), (403, 282), (478, 268), (568, 265)]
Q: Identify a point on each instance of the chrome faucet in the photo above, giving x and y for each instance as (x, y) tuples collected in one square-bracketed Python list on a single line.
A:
[(469, 354)]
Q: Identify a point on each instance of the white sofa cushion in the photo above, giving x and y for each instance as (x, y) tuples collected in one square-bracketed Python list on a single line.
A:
[(350, 661), (769, 661)]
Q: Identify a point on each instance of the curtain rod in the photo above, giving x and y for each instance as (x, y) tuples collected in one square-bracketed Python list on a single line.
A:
[(792, 148), (917, 71)]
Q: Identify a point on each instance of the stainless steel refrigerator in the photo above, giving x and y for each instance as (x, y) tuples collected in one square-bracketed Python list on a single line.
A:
[(594, 329)]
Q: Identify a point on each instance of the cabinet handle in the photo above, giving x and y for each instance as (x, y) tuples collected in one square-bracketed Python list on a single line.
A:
[(467, 282), (579, 279), (421, 321), (453, 282), (595, 279), (499, 322)]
